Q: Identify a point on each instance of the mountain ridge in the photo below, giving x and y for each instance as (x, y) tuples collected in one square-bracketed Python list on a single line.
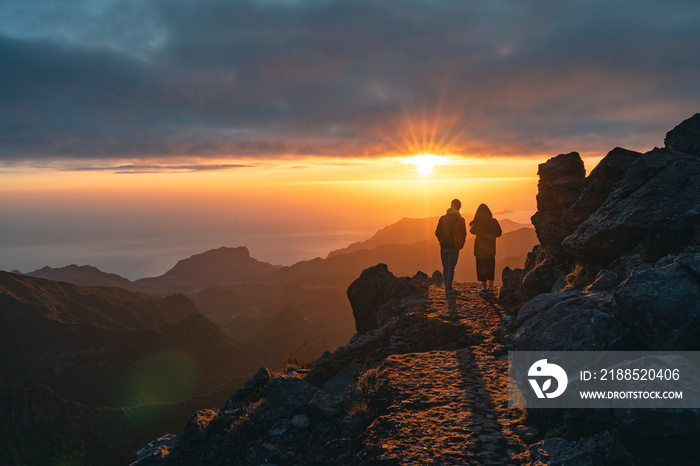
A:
[(411, 230)]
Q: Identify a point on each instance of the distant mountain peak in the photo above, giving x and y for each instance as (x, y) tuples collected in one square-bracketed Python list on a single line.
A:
[(84, 275), (221, 266), (229, 260)]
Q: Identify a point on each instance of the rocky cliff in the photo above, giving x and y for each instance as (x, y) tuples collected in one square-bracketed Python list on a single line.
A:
[(618, 265)]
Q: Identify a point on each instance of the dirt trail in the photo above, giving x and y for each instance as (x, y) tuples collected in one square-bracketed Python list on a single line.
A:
[(451, 407)]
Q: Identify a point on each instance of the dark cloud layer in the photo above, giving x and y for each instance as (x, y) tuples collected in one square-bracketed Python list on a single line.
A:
[(124, 79)]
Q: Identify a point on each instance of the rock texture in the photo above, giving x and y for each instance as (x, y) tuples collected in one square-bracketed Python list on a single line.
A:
[(603, 448), (599, 184), (378, 295), (562, 178), (685, 137), (632, 209), (653, 207), (570, 321), (662, 303)]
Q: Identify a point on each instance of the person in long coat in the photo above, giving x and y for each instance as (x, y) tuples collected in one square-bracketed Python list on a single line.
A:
[(486, 229)]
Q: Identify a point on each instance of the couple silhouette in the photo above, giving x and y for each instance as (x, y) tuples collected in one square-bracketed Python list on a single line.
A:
[(451, 232)]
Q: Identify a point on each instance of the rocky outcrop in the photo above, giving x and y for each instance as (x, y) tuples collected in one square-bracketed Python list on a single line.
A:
[(653, 208), (565, 199), (685, 137), (378, 295), (629, 242), (631, 205), (624, 276), (562, 179)]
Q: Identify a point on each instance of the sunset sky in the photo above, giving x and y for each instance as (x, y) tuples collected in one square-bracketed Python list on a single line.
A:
[(137, 132)]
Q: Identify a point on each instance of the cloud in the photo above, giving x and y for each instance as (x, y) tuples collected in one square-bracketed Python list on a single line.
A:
[(260, 79), (154, 168)]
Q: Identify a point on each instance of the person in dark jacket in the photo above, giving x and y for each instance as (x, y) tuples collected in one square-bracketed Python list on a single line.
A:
[(487, 229), (451, 232)]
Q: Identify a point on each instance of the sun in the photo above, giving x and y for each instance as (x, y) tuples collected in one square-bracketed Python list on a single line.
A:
[(425, 162)]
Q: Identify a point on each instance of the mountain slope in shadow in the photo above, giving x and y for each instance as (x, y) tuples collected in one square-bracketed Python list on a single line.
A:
[(84, 275), (102, 354)]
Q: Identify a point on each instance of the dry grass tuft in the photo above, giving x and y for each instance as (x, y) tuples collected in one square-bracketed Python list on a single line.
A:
[(294, 363), (358, 407)]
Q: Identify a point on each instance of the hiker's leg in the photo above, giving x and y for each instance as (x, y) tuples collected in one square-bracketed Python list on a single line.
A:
[(444, 257), (454, 256)]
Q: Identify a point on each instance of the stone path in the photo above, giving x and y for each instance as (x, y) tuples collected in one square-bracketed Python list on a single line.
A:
[(450, 407)]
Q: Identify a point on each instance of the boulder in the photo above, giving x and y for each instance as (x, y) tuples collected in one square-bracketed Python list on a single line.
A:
[(542, 273), (569, 321), (661, 303), (368, 293), (561, 181), (685, 137), (654, 207), (377, 296), (437, 279), (543, 277), (511, 292)]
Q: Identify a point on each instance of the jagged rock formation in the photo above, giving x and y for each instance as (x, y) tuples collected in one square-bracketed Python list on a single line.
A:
[(378, 295), (565, 200), (685, 137), (562, 179), (625, 275), (632, 231), (653, 207)]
